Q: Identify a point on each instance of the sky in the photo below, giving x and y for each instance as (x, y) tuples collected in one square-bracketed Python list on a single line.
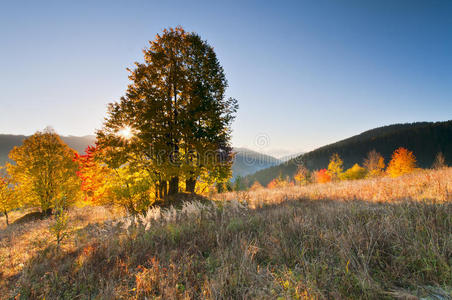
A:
[(305, 73)]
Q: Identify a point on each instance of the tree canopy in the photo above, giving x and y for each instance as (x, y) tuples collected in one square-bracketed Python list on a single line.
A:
[(175, 114), (44, 170)]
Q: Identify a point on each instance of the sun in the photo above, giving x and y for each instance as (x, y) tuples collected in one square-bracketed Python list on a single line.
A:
[(126, 132)]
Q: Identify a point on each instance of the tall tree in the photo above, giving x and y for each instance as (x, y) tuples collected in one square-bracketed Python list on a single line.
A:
[(176, 110), (44, 170)]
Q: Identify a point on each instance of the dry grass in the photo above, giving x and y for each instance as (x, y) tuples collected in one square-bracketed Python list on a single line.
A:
[(321, 249), (433, 185), (20, 242)]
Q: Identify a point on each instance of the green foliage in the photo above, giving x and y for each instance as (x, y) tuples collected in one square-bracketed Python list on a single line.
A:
[(175, 114), (60, 226)]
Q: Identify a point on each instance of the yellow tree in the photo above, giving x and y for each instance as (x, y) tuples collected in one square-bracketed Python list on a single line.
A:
[(403, 161), (355, 172), (256, 186), (335, 166), (374, 163), (8, 199), (302, 176), (44, 171)]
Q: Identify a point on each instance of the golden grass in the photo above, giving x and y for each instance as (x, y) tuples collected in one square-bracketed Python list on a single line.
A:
[(293, 243), (20, 242), (435, 185)]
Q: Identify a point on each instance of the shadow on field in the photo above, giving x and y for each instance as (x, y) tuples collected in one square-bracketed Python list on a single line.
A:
[(320, 248)]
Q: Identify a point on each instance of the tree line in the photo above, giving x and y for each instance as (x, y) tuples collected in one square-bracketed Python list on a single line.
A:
[(402, 162), (425, 139)]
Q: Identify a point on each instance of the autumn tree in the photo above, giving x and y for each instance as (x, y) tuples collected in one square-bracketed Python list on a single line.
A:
[(279, 182), (335, 166), (403, 161), (176, 115), (303, 176), (124, 186), (44, 171), (94, 175), (256, 186), (374, 163), (8, 199), (322, 176), (355, 172)]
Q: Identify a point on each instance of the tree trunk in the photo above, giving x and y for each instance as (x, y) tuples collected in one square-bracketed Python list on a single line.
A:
[(165, 188), (157, 190), (190, 185), (6, 216), (173, 185)]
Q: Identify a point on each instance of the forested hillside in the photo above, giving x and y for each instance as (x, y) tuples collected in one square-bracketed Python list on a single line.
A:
[(425, 139), (248, 162)]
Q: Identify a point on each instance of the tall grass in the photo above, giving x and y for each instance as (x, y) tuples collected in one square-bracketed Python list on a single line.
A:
[(434, 185), (295, 249)]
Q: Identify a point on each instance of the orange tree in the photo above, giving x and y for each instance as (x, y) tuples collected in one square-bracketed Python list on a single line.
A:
[(322, 176), (123, 186), (403, 161)]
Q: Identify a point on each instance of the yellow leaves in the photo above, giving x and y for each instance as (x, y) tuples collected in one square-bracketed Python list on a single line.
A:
[(44, 170), (335, 166), (355, 172)]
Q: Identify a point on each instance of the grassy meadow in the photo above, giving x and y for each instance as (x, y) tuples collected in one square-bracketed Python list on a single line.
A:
[(380, 238)]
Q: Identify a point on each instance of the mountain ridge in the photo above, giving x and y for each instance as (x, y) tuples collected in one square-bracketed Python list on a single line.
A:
[(425, 139)]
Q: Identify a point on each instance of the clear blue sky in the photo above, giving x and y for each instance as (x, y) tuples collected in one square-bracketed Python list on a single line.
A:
[(306, 73)]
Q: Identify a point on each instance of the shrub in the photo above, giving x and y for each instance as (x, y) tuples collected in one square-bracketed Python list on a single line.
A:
[(355, 172)]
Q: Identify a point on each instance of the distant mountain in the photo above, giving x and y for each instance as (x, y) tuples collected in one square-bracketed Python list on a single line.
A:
[(247, 161), (8, 141), (425, 139), (290, 156)]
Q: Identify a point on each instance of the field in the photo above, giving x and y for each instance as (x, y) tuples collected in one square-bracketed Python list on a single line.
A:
[(372, 239)]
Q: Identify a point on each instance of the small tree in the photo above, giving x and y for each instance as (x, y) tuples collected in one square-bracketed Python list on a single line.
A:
[(374, 163), (59, 227), (303, 176), (355, 172), (403, 161), (335, 166), (256, 186), (322, 176), (8, 198), (440, 161)]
